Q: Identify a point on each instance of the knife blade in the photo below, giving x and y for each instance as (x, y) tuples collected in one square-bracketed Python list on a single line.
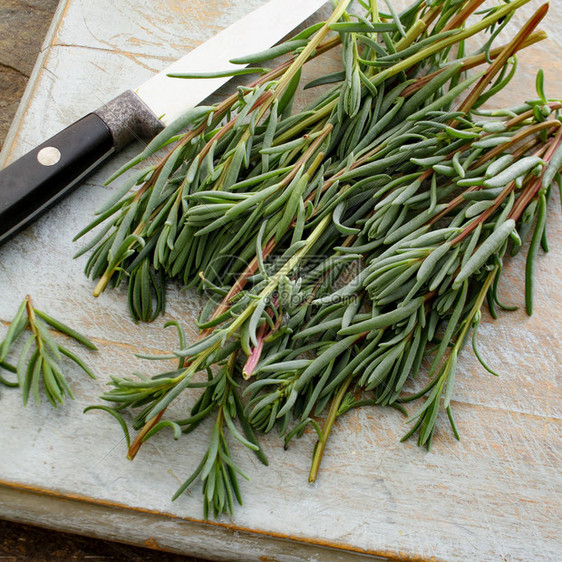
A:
[(36, 181)]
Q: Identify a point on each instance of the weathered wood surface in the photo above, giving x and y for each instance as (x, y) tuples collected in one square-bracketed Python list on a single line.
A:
[(495, 495)]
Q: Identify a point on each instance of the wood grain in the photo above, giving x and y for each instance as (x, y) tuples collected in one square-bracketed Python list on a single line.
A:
[(495, 495)]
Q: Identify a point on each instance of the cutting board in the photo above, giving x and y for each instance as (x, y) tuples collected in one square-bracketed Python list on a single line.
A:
[(493, 495)]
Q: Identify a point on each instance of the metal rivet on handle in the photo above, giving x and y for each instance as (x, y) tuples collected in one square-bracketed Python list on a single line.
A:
[(48, 156)]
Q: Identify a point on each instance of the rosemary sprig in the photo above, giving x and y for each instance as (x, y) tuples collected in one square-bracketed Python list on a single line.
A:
[(41, 355)]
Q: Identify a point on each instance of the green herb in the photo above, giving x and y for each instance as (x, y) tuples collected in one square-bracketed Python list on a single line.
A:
[(40, 358), (338, 246)]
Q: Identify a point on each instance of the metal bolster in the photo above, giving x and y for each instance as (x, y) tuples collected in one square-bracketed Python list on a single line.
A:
[(129, 118)]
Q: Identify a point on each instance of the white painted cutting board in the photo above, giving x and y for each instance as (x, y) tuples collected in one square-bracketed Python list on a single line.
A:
[(495, 495)]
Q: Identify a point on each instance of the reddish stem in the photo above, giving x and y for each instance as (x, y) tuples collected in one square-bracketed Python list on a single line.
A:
[(138, 440), (463, 15), (509, 50), (255, 355)]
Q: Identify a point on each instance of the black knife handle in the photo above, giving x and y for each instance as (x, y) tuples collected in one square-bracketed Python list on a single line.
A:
[(30, 185), (34, 182)]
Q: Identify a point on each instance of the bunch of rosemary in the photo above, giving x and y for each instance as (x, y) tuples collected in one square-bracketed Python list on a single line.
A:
[(341, 245)]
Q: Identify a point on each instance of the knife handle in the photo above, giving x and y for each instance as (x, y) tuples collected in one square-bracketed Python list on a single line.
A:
[(34, 182)]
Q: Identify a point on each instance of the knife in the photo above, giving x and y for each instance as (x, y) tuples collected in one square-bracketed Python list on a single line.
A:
[(37, 180)]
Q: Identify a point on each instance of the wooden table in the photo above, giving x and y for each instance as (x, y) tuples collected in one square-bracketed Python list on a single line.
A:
[(493, 495)]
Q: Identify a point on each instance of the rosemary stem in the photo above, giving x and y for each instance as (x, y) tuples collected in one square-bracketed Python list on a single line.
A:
[(476, 308), (139, 438), (311, 47), (327, 429), (463, 15), (413, 33), (33, 322)]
